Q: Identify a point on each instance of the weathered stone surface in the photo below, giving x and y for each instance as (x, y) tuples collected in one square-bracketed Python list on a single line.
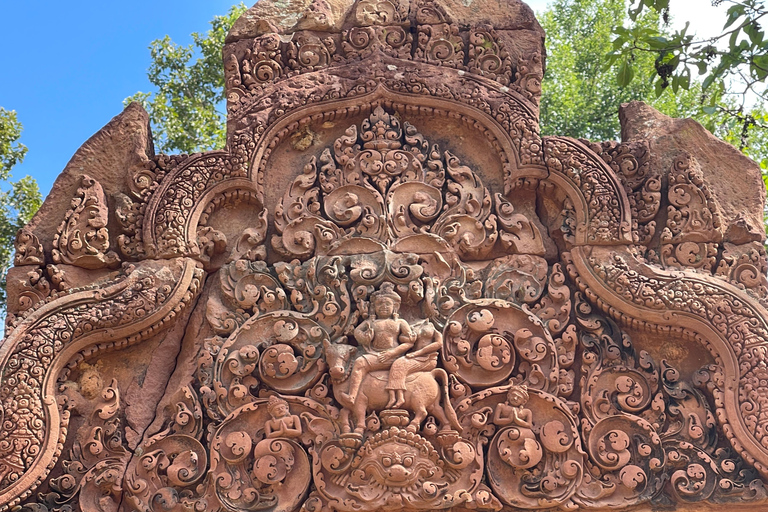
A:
[(333, 15), (288, 17), (117, 151), (506, 15), (389, 292), (734, 180)]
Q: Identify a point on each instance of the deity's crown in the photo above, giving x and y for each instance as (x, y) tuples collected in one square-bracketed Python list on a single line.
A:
[(274, 402), (519, 392), (387, 290)]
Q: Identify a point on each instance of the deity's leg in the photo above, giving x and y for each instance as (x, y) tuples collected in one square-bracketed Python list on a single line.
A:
[(359, 370)]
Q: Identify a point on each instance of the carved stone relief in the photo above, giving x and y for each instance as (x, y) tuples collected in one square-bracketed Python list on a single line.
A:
[(388, 292)]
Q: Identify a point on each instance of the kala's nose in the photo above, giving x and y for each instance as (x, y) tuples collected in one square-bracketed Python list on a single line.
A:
[(398, 473)]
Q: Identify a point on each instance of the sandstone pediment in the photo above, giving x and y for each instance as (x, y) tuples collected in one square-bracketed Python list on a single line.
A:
[(389, 292)]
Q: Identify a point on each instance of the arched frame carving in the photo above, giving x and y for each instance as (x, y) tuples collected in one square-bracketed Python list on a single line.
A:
[(635, 294), (146, 299), (338, 110)]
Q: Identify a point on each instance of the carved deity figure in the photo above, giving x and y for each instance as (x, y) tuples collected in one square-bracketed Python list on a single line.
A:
[(428, 344), (283, 424), (273, 460), (383, 338), (513, 412)]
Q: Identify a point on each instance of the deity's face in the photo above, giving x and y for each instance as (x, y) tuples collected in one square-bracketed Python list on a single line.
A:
[(280, 411), (384, 307), (517, 397)]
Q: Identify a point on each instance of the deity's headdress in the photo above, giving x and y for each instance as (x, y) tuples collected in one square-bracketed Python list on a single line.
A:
[(275, 401), (387, 290), (518, 392)]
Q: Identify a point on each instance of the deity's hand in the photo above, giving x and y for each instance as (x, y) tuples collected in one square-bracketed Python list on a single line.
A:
[(382, 357), (364, 332)]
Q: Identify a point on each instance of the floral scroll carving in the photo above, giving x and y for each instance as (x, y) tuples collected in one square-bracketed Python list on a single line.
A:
[(384, 183), (28, 249), (388, 292), (83, 238)]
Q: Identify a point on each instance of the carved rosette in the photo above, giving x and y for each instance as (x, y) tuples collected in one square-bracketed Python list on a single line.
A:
[(535, 458), (487, 340)]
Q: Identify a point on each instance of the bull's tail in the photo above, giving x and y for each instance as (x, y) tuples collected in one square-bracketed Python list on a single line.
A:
[(441, 376)]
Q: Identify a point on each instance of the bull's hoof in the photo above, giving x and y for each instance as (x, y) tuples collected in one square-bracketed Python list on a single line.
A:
[(447, 437), (351, 440), (395, 417)]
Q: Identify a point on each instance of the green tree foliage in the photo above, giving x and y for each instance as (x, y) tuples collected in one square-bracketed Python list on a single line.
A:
[(581, 93), (19, 200), (589, 74), (187, 109), (732, 67)]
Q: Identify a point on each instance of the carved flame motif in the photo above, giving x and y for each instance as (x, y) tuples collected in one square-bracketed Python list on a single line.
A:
[(82, 238)]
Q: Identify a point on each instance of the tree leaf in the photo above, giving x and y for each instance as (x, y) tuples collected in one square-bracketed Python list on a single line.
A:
[(625, 74), (708, 81), (734, 13), (760, 66), (657, 42), (732, 40), (685, 79), (755, 34)]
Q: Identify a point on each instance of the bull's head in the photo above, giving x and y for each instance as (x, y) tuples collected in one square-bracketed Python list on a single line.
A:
[(338, 356)]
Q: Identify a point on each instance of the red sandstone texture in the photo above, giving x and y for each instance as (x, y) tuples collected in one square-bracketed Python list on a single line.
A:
[(390, 292)]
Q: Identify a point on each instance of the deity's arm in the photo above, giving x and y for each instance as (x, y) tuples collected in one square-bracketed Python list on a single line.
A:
[(270, 431), (523, 417), (503, 415), (435, 346), (295, 429), (400, 349), (406, 344), (406, 333)]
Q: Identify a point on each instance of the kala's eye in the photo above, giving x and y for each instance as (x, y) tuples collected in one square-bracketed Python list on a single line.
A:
[(408, 461), (387, 461)]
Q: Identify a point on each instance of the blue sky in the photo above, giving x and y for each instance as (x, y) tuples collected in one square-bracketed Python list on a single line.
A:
[(68, 66)]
